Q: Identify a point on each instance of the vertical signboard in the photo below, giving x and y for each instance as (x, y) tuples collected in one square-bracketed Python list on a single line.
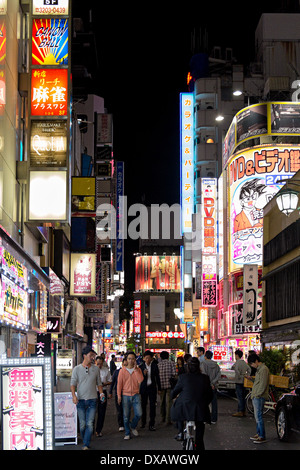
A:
[(209, 242), (27, 410), (137, 320), (120, 218), (49, 107), (187, 160), (250, 294)]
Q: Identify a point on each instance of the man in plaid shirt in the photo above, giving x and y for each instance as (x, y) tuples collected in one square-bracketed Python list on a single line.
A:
[(167, 369)]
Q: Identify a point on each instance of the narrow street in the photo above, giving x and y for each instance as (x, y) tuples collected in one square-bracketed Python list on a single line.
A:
[(228, 434)]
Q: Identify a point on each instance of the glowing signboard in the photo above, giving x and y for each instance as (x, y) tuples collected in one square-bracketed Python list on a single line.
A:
[(50, 41), (157, 273), (26, 404), (165, 334), (48, 144), (187, 160), (209, 241), (137, 317), (50, 7), (254, 178), (83, 274), (49, 92)]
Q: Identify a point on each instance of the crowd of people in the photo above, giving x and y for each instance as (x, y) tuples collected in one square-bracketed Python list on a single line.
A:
[(187, 389)]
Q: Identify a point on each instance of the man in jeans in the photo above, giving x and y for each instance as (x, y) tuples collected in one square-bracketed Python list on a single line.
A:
[(259, 394), (167, 370), (128, 387), (241, 369), (86, 378)]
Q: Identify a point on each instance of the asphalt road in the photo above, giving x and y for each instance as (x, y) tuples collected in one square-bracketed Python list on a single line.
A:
[(230, 434)]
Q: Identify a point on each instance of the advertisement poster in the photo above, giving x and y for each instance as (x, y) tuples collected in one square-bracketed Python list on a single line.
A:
[(83, 274), (50, 41), (254, 178), (157, 273), (65, 415), (48, 144)]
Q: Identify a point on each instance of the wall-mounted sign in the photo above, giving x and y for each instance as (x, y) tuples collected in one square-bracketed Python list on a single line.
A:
[(254, 177), (47, 195), (165, 334), (187, 160), (50, 41), (157, 273), (53, 324), (137, 316), (50, 7), (49, 92), (83, 274), (26, 386), (48, 144)]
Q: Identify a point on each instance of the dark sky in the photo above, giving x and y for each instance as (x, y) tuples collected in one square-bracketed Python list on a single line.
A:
[(144, 51)]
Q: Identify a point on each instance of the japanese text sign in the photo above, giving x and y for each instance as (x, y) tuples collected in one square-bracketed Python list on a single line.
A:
[(83, 274), (49, 92), (26, 388), (187, 160)]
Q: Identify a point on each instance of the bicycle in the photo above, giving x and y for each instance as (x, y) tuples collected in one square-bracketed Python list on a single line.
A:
[(270, 403), (189, 436)]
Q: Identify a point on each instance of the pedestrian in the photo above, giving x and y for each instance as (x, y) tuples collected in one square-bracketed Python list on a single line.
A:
[(212, 369), (180, 366), (186, 358), (195, 394), (129, 380), (149, 388), (200, 354), (102, 404), (86, 381), (113, 386), (259, 394), (112, 364), (167, 371), (241, 369)]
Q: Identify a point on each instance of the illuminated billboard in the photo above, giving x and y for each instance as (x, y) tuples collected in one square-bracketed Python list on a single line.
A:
[(209, 241), (50, 41), (48, 144), (254, 177), (187, 160), (48, 195), (49, 92), (271, 118), (83, 274), (27, 405), (156, 273)]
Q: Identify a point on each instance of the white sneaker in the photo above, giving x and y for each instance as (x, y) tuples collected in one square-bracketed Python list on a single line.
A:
[(121, 428), (127, 437), (134, 432)]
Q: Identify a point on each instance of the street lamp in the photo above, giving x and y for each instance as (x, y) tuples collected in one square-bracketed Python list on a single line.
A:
[(287, 199)]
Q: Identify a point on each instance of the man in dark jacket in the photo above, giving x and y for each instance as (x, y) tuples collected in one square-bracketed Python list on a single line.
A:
[(192, 404), (149, 387)]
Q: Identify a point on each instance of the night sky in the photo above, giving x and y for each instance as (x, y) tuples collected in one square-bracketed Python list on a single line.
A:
[(144, 53)]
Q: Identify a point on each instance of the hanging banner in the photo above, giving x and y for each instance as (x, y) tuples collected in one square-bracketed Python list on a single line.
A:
[(250, 294)]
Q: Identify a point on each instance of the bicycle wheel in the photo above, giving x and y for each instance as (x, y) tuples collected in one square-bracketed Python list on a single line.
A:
[(249, 404)]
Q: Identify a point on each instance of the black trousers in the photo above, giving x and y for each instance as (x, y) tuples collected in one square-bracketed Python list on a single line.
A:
[(149, 393), (101, 412)]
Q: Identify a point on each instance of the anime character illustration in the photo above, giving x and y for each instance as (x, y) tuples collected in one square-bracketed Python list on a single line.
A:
[(251, 215)]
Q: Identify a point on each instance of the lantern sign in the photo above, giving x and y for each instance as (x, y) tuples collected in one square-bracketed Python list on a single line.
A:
[(49, 92)]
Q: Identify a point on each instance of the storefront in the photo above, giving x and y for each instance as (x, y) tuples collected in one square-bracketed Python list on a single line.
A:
[(23, 299)]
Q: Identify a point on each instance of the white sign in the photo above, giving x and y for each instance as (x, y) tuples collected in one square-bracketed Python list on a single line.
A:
[(65, 418), (250, 282), (50, 7)]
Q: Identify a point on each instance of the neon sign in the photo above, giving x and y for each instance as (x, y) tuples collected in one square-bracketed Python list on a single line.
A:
[(187, 160)]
